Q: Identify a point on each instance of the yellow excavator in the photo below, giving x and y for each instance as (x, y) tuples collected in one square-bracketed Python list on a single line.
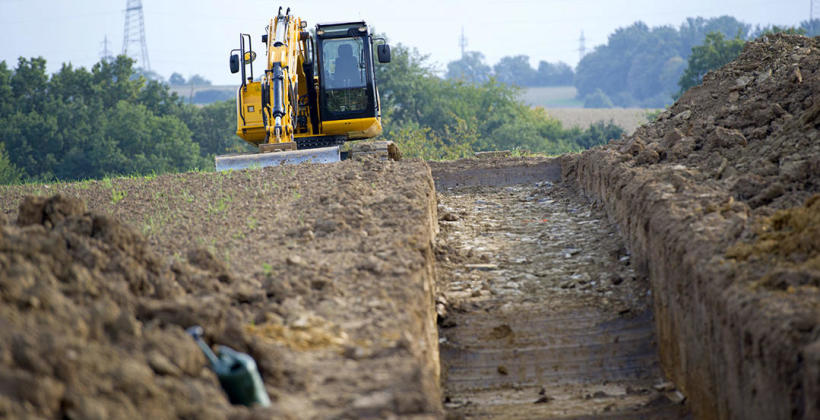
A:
[(317, 92)]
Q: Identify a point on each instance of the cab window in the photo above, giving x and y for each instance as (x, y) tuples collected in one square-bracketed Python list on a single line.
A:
[(344, 74)]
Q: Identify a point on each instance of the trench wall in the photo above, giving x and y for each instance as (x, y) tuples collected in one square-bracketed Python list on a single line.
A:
[(734, 351)]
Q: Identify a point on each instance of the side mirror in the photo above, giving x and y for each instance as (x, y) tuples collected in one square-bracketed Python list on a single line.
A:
[(235, 63), (384, 53)]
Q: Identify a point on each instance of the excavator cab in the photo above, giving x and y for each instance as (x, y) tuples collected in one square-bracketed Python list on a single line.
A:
[(348, 98)]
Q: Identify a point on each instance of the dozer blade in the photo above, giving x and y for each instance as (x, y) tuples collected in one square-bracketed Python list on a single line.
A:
[(262, 160)]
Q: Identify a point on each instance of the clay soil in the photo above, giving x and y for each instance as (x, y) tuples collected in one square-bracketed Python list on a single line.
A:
[(322, 273)]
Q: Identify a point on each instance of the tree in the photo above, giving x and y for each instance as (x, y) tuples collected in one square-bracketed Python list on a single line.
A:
[(641, 66), (812, 27), (716, 52), (470, 68), (599, 133), (515, 71), (198, 80), (558, 74), (176, 79), (9, 174), (88, 124)]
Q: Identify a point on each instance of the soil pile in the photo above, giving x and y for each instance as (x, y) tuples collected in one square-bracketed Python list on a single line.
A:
[(751, 127), (715, 199), (322, 273), (78, 339)]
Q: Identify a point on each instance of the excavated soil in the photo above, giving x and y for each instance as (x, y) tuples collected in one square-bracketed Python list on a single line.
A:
[(322, 273), (718, 203)]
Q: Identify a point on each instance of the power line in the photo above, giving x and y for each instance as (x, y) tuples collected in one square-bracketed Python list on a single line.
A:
[(134, 31)]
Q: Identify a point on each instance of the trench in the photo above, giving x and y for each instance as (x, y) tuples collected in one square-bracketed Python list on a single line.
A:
[(541, 313)]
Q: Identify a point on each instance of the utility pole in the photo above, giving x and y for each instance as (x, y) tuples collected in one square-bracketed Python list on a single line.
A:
[(134, 32), (582, 48), (462, 42), (105, 54)]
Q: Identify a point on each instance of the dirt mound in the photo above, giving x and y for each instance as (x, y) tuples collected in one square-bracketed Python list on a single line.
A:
[(751, 126), (715, 199), (322, 273), (750, 129), (77, 339)]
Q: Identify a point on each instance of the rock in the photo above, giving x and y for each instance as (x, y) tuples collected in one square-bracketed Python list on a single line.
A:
[(481, 267), (501, 332), (633, 147), (648, 157), (685, 115), (449, 217), (681, 148), (726, 138), (48, 211), (676, 397), (162, 366), (503, 371), (767, 195), (664, 386), (797, 76), (31, 211), (796, 170), (204, 259), (296, 260), (671, 137), (743, 81)]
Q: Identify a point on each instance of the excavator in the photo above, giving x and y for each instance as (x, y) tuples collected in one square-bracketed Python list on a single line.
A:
[(317, 91)]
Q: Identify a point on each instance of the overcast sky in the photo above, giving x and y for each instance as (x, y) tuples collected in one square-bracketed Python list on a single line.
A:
[(190, 37)]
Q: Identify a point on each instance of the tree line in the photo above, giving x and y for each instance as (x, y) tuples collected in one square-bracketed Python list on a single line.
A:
[(511, 70), (639, 66), (648, 67), (111, 120), (435, 118)]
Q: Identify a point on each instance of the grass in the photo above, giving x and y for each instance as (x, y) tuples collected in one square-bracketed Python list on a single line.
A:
[(118, 195), (220, 206)]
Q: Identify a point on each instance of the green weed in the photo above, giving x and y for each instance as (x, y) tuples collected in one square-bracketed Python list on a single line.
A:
[(118, 195)]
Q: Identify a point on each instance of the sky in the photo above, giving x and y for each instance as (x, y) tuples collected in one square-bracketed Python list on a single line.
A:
[(195, 37)]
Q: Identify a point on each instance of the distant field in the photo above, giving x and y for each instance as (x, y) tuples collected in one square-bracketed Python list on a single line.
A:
[(627, 118), (203, 95), (551, 97)]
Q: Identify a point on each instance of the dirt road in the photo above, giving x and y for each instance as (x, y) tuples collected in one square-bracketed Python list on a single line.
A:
[(545, 317)]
